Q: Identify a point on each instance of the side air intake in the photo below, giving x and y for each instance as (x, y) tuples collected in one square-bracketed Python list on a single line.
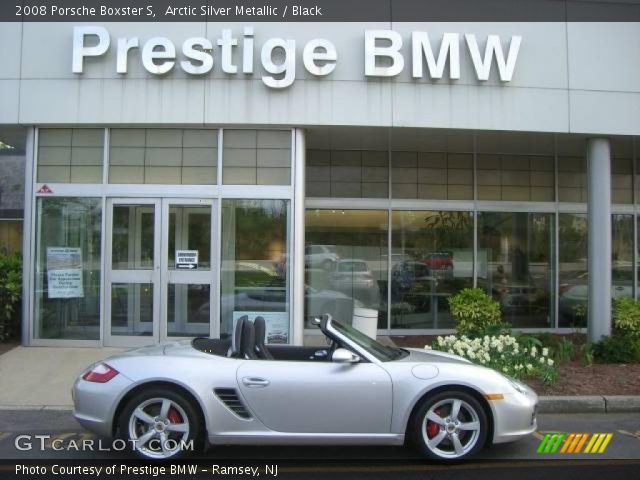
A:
[(229, 396)]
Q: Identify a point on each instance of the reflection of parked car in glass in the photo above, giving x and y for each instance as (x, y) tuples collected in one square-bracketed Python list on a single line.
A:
[(353, 277), (410, 276), (573, 295), (440, 263), (324, 256)]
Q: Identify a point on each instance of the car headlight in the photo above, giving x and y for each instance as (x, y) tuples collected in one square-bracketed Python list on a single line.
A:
[(518, 386)]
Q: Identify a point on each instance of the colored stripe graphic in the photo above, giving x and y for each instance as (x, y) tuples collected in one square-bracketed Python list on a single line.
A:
[(598, 442), (551, 442), (573, 442)]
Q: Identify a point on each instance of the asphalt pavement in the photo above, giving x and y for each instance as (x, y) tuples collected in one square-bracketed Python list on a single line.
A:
[(53, 435)]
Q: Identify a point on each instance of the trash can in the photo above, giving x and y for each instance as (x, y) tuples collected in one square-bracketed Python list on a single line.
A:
[(366, 320)]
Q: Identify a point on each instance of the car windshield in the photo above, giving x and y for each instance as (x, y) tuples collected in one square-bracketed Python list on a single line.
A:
[(381, 352)]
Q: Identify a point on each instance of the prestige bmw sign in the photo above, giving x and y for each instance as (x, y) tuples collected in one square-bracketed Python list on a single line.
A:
[(386, 53)]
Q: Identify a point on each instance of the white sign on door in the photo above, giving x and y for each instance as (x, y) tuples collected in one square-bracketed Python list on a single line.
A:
[(64, 272), (187, 259)]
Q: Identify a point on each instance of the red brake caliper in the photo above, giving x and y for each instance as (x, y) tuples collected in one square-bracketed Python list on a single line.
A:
[(432, 427), (174, 416)]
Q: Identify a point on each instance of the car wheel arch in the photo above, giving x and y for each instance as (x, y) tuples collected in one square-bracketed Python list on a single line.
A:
[(175, 387), (453, 387)]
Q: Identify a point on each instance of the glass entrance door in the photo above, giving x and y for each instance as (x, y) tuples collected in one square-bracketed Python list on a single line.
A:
[(187, 273), (132, 302), (159, 280)]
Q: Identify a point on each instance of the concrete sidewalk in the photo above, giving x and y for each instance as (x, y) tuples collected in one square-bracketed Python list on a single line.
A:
[(41, 378), (37, 377)]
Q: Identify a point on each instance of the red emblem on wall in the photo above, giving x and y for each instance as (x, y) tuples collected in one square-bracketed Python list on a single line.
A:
[(45, 189)]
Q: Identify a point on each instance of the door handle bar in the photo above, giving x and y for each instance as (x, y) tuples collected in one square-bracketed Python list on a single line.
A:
[(255, 382)]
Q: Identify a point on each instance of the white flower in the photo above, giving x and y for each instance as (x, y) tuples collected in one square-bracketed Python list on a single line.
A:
[(450, 351), (550, 362), (529, 366), (427, 347), (505, 369), (545, 352), (542, 360)]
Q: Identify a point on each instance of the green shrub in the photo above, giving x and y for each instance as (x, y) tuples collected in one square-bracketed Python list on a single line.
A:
[(10, 295), (564, 350), (626, 316), (474, 312), (617, 349), (586, 353)]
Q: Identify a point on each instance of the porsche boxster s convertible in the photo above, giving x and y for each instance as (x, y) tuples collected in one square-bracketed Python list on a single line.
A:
[(354, 391)]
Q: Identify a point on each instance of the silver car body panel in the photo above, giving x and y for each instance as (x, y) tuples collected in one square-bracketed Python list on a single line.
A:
[(305, 402)]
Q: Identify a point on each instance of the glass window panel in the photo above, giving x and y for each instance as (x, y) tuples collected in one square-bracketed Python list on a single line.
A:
[(67, 291), (163, 156), (70, 155), (432, 259), (11, 236), (347, 173), (432, 175), (190, 229), (622, 255), (573, 275), (256, 157), (132, 309), (336, 242), (516, 265), (511, 177), (188, 310), (255, 264), (621, 180), (133, 237)]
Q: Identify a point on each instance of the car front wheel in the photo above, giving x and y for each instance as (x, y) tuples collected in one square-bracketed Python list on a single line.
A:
[(450, 426), (160, 424)]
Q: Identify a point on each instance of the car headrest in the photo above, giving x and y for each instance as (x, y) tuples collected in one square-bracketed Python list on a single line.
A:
[(236, 339), (260, 328), (248, 340)]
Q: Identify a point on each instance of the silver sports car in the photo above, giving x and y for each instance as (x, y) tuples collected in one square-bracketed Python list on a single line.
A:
[(168, 399)]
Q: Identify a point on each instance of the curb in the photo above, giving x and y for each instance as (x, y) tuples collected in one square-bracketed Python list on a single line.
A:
[(590, 404)]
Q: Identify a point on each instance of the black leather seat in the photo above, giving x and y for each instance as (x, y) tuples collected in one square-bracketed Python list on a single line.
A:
[(236, 339), (260, 331), (248, 343)]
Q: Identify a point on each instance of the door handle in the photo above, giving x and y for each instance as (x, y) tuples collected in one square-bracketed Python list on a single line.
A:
[(254, 382)]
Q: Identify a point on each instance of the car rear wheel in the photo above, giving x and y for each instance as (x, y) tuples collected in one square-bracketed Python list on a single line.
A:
[(450, 426), (159, 424)]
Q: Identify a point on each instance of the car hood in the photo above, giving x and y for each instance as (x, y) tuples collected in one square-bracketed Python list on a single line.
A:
[(432, 356)]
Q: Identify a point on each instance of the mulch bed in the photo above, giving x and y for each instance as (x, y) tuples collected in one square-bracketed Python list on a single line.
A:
[(574, 378), (5, 347)]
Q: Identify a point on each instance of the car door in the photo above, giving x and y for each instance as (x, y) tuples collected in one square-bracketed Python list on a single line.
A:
[(317, 397)]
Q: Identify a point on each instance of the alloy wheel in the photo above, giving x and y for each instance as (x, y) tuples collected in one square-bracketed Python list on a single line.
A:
[(451, 428), (158, 427)]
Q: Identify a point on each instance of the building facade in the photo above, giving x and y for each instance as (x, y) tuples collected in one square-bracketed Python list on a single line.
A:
[(180, 175)]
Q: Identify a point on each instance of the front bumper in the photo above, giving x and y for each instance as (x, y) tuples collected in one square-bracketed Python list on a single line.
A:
[(95, 403), (515, 416)]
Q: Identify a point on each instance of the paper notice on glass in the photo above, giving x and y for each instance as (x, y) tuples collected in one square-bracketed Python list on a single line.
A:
[(64, 272), (277, 324)]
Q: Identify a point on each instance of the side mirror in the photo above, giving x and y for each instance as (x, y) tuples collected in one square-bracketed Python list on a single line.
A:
[(342, 355)]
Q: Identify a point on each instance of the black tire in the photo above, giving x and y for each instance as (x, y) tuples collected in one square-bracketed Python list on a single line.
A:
[(448, 441), (142, 417)]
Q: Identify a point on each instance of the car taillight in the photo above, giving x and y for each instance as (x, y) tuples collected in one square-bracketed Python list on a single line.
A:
[(100, 373)]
